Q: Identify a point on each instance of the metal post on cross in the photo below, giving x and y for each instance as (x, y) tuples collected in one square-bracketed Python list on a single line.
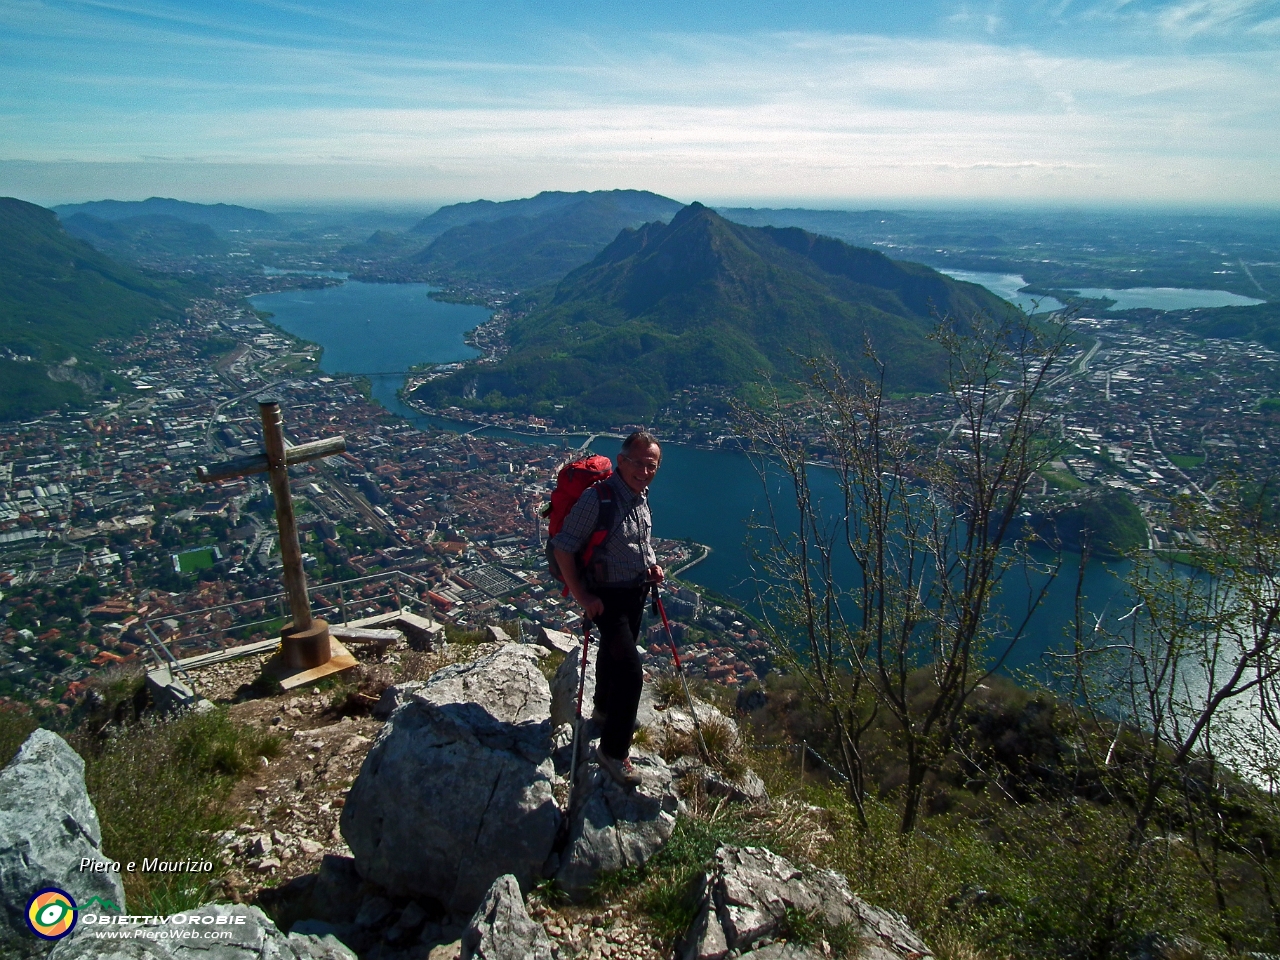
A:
[(304, 641)]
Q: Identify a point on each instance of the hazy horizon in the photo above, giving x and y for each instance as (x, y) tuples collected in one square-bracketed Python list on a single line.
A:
[(1092, 104), (396, 207)]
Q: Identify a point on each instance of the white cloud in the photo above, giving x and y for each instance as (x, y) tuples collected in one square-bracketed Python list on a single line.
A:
[(800, 115), (1180, 21), (1191, 18)]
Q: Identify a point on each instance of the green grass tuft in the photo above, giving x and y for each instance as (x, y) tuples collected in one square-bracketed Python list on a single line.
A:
[(161, 788), (669, 897), (14, 729)]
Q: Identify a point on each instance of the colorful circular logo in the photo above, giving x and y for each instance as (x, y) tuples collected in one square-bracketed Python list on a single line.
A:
[(51, 913)]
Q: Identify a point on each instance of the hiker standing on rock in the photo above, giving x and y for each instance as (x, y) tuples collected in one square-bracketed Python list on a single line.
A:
[(612, 589)]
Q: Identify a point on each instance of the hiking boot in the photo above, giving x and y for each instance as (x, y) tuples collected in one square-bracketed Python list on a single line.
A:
[(621, 771), (599, 716)]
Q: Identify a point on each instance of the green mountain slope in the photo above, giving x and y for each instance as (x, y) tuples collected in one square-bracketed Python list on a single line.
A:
[(1110, 522), (222, 217), (58, 298), (532, 249), (149, 236), (705, 302), (1260, 322)]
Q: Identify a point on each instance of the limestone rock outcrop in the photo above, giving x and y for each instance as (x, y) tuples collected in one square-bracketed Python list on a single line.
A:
[(611, 828), (748, 891), (564, 687), (501, 928), (784, 951), (394, 697), (48, 825), (457, 788), (254, 937), (557, 640)]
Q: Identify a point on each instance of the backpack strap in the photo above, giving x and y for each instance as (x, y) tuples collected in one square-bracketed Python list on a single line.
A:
[(605, 516)]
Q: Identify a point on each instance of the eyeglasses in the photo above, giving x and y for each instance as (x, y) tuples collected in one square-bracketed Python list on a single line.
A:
[(648, 465)]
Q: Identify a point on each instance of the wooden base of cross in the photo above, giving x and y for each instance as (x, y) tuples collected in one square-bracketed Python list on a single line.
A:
[(307, 652), (291, 665)]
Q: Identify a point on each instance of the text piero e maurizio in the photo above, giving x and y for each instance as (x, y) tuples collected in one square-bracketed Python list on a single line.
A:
[(90, 865)]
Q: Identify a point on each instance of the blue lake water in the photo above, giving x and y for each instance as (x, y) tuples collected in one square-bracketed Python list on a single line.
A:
[(379, 329), (1167, 298), (709, 496), (1005, 285)]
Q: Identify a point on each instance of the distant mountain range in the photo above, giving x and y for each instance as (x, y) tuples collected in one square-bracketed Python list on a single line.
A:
[(517, 244), (58, 298), (538, 242), (635, 203), (706, 302), (222, 217)]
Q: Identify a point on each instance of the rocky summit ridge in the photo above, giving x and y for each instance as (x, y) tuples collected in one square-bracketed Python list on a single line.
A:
[(461, 809)]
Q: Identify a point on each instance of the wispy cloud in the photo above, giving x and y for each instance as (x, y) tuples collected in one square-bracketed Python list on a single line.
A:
[(1195, 17), (801, 114), (1176, 20)]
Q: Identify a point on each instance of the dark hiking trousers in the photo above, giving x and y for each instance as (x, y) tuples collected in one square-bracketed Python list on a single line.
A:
[(619, 675)]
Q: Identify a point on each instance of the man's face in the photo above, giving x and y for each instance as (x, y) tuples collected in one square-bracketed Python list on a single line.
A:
[(639, 466)]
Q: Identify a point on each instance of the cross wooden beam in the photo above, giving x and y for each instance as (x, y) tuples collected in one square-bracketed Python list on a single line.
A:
[(304, 641)]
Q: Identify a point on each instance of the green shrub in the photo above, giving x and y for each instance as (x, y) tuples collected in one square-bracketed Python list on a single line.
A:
[(161, 788), (668, 896), (14, 729), (550, 664), (456, 634), (812, 929), (668, 691), (1045, 880)]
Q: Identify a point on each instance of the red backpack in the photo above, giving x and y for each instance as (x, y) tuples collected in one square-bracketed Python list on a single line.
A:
[(572, 482)]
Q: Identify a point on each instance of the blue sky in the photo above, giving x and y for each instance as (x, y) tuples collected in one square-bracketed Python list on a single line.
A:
[(1077, 102)]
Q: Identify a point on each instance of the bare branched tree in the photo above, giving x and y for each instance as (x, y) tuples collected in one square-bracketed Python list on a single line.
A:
[(894, 588), (1175, 698)]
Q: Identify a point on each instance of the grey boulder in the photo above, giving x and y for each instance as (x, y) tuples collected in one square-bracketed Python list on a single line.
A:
[(557, 641), (564, 686), (501, 929), (783, 951), (255, 937), (611, 828), (747, 892), (674, 722), (47, 827), (394, 697), (456, 790), (743, 786)]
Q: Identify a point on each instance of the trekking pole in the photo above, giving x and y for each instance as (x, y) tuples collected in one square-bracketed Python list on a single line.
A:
[(577, 714), (675, 655)]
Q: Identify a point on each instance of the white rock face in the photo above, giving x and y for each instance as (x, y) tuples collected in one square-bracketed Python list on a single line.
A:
[(255, 937), (557, 641), (746, 895), (456, 790), (47, 826), (564, 687), (502, 929), (611, 828)]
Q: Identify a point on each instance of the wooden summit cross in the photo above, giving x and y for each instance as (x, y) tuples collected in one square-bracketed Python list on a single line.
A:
[(305, 644)]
